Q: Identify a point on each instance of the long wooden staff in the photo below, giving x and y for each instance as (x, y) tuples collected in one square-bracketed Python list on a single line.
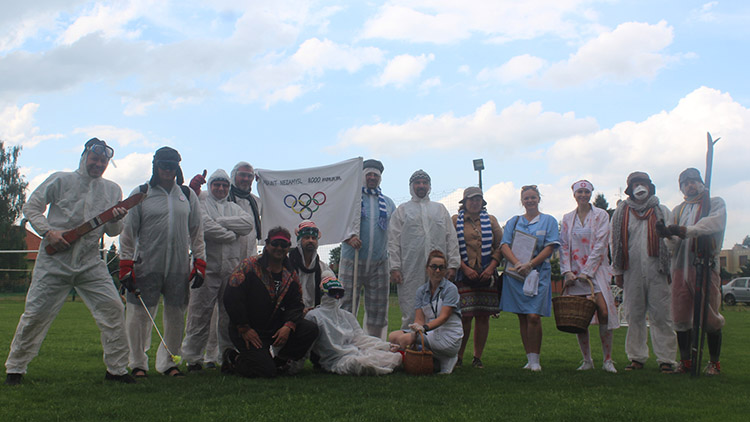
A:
[(704, 264)]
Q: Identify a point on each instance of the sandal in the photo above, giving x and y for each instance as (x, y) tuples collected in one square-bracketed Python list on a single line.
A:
[(174, 372), (138, 373), (666, 368), (634, 366)]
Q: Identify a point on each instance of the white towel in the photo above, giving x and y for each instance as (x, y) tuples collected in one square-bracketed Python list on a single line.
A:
[(531, 284)]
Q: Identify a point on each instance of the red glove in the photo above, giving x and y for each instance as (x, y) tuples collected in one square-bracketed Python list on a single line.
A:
[(197, 181), (198, 274), (127, 276)]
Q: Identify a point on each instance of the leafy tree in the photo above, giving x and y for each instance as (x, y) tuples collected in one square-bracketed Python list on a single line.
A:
[(113, 264), (334, 257), (744, 270), (746, 242), (601, 202), (725, 275), (12, 198)]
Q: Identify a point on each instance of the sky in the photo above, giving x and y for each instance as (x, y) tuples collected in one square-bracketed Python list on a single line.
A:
[(546, 92)]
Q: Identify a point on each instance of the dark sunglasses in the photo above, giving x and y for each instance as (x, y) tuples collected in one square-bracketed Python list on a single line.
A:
[(436, 267), (280, 243), (168, 165)]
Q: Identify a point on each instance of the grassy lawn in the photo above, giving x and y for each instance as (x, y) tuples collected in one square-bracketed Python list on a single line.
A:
[(66, 382)]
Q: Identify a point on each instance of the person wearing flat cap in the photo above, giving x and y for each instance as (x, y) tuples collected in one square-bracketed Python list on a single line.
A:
[(640, 262), (479, 235), (155, 247), (368, 236), (688, 223)]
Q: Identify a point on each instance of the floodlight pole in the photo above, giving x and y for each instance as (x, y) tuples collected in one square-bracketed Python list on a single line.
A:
[(479, 166)]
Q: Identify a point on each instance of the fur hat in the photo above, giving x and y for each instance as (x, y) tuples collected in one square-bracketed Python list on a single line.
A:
[(639, 176)]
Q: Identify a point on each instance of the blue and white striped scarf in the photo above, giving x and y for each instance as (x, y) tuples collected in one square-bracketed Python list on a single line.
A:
[(484, 220), (383, 217)]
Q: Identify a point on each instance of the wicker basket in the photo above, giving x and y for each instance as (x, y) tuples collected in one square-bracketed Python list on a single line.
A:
[(573, 313), (418, 362)]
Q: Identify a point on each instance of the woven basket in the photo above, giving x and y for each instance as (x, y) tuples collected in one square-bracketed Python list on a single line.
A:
[(418, 362), (573, 313)]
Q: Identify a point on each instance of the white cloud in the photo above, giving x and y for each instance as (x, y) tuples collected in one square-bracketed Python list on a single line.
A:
[(517, 68), (277, 78), (519, 124), (132, 170), (17, 126), (403, 69), (445, 22), (633, 50), (429, 84), (108, 19), (120, 136)]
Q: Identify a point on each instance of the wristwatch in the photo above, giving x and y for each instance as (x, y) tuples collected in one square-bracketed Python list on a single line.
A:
[(426, 328)]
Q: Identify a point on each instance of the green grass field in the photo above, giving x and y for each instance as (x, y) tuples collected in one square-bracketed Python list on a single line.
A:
[(66, 382)]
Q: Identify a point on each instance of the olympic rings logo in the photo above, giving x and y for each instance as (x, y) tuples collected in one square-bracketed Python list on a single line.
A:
[(306, 203)]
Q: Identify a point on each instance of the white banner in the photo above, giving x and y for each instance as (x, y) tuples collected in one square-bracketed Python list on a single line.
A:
[(330, 196)]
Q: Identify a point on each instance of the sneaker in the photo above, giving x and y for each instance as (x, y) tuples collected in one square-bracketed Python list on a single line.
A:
[(713, 368), (477, 363), (211, 365), (13, 379), (535, 367), (586, 365), (194, 367), (526, 366), (685, 367), (609, 366), (125, 378)]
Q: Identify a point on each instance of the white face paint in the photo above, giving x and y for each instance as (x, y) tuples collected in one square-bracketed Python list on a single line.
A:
[(640, 192)]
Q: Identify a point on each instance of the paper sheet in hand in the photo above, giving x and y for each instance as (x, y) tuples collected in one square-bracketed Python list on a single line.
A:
[(523, 248)]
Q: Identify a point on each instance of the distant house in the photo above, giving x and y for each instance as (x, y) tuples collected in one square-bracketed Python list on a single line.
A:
[(733, 259), (32, 243)]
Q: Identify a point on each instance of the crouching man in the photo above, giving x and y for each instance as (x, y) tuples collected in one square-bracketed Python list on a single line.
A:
[(264, 301)]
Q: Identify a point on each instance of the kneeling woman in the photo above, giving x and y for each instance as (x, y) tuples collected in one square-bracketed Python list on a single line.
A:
[(437, 316)]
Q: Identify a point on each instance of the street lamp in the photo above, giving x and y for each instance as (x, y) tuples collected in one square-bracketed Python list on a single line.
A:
[(479, 166)]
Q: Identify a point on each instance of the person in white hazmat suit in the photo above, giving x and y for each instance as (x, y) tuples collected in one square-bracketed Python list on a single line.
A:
[(640, 263), (240, 192), (369, 236), (687, 225), (416, 228), (155, 247), (342, 346), (73, 198), (224, 225)]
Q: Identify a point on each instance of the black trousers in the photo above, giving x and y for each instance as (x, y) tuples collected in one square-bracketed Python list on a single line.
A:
[(258, 363)]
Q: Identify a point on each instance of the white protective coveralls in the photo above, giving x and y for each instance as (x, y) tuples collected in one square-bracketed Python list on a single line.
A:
[(248, 242), (646, 290), (683, 262), (307, 280), (372, 272), (343, 346), (416, 228), (224, 224), (159, 235), (73, 198)]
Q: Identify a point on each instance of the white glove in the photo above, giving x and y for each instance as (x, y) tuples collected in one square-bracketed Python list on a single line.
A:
[(416, 328)]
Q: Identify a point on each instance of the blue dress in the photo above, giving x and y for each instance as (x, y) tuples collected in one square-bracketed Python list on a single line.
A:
[(546, 230)]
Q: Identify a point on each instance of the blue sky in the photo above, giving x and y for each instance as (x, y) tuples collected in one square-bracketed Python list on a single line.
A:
[(545, 91)]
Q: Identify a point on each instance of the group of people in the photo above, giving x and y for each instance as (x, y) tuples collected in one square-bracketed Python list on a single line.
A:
[(262, 315)]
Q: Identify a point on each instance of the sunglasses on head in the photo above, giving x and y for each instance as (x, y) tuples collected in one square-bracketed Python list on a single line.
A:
[(436, 267), (103, 150), (168, 165), (280, 243)]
